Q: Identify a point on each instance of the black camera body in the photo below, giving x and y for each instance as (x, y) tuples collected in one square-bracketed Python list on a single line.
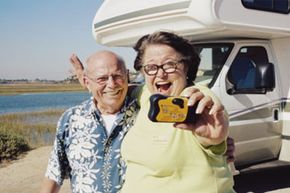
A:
[(171, 109)]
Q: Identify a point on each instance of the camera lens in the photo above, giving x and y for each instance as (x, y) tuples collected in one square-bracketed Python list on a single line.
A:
[(179, 102)]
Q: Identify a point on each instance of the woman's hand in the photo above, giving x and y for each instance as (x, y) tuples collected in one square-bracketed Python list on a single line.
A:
[(211, 127), (78, 69)]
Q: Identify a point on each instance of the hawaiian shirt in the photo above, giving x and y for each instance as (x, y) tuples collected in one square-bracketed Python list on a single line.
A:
[(85, 153)]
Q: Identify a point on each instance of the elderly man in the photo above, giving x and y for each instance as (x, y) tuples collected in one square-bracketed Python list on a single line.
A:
[(89, 136)]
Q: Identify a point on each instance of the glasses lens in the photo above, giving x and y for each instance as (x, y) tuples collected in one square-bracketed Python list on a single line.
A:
[(169, 67), (118, 77), (104, 79), (151, 69), (101, 80)]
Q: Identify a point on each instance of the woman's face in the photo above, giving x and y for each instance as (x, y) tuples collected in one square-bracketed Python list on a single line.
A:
[(170, 84)]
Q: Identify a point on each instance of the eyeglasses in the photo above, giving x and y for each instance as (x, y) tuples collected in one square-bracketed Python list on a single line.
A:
[(104, 79), (168, 67)]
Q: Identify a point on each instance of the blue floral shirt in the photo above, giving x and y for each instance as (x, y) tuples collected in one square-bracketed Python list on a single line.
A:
[(85, 153)]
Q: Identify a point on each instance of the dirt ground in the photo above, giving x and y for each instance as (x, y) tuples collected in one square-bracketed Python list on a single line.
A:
[(26, 174)]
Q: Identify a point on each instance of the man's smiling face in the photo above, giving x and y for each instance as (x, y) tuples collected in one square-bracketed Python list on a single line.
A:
[(107, 80)]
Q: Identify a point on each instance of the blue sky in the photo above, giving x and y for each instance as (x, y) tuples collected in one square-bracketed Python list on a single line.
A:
[(38, 36)]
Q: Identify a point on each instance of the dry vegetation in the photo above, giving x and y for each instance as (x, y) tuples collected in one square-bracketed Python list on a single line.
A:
[(20, 132), (11, 89)]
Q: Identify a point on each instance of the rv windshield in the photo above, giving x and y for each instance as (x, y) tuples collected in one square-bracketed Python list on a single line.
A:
[(213, 56)]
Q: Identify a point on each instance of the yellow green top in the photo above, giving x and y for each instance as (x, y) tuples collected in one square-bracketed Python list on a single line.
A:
[(164, 159)]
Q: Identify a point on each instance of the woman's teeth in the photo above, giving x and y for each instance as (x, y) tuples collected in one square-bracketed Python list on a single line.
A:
[(163, 86)]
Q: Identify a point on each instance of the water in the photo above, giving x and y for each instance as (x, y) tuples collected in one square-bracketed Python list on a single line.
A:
[(41, 101)]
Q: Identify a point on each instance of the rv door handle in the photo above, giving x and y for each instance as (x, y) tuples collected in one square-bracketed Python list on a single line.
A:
[(276, 114)]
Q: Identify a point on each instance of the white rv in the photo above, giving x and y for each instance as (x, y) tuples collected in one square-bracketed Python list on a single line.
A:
[(245, 59)]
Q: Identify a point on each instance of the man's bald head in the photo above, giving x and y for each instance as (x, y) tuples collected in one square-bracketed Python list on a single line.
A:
[(103, 57)]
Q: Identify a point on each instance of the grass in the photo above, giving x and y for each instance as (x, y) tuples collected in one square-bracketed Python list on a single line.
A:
[(20, 132), (37, 128), (12, 89)]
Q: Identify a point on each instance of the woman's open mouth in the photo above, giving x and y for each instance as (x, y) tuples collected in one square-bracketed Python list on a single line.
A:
[(163, 87)]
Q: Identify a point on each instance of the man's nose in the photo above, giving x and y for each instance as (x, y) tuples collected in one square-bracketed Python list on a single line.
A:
[(111, 82)]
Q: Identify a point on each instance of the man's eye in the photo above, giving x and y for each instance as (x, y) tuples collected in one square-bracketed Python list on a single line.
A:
[(117, 77), (102, 79)]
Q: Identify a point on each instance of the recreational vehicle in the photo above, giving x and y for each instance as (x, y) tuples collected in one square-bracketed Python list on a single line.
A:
[(244, 47)]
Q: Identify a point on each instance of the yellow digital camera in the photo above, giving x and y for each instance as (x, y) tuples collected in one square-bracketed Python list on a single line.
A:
[(171, 109)]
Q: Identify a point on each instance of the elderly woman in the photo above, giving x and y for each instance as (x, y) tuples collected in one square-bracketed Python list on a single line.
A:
[(166, 157)]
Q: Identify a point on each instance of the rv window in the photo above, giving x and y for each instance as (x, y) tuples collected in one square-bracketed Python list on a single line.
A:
[(279, 6), (242, 71), (213, 56)]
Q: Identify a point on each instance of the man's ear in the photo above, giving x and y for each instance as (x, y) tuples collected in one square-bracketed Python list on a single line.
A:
[(86, 83)]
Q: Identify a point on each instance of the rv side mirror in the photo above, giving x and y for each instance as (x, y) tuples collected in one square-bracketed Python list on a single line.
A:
[(254, 80), (265, 76)]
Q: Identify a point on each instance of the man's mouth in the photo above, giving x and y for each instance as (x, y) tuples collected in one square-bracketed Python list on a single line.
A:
[(163, 87), (112, 93)]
